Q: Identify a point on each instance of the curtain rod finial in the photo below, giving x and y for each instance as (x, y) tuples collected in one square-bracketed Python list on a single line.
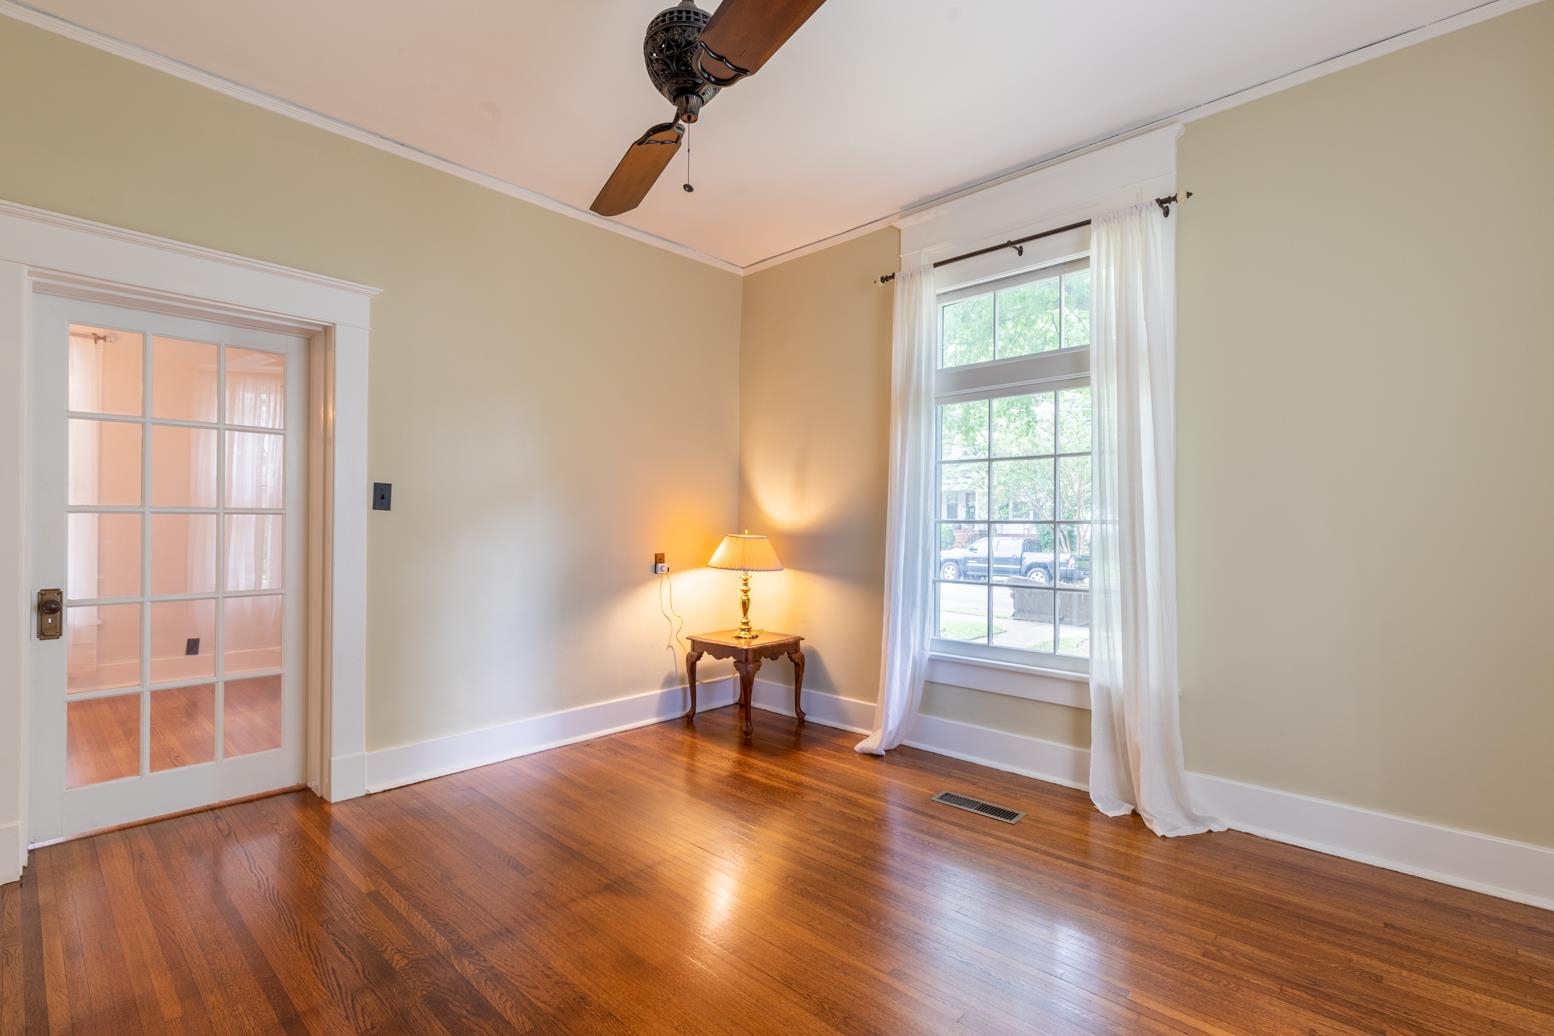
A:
[(1171, 199)]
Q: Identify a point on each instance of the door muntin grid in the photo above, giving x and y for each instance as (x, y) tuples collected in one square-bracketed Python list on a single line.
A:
[(175, 550)]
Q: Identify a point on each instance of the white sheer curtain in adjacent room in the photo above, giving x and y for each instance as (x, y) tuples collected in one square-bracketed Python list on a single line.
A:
[(1136, 744), (908, 530), (255, 398)]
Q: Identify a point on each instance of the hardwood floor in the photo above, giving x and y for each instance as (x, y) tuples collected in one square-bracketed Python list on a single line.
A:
[(664, 880)]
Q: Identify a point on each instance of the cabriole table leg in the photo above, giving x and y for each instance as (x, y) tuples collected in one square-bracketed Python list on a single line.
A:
[(690, 680), (796, 656)]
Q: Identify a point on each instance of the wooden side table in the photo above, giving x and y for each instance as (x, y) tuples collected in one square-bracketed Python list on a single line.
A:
[(748, 656)]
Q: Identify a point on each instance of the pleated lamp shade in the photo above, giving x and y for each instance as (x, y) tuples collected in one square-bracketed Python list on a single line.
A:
[(745, 553)]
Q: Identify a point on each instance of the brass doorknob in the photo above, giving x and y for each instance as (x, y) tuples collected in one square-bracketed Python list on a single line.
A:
[(50, 606)]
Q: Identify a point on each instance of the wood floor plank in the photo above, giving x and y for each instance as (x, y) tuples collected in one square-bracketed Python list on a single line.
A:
[(672, 879), (321, 963), (168, 875), (12, 997), (165, 992)]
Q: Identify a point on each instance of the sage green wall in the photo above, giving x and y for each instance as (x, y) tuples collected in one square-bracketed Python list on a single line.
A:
[(814, 426), (546, 423), (1366, 441), (1366, 451)]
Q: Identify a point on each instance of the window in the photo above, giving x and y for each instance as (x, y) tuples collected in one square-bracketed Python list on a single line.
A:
[(1012, 518)]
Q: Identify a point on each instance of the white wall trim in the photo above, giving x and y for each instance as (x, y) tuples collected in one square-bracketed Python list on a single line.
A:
[(51, 252), (422, 760), (15, 561), (1012, 680), (347, 776), (1130, 171), (82, 258), (168, 245), (259, 99), (1467, 859), (829, 710), (1028, 756)]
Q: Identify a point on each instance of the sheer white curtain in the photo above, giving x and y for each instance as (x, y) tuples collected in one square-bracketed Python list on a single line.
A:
[(85, 468), (908, 529), (1136, 741), (255, 399)]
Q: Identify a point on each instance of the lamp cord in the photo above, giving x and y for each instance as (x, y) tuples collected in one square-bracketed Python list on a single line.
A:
[(675, 645)]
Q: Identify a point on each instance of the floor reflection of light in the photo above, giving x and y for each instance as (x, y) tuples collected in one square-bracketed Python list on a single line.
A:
[(722, 897)]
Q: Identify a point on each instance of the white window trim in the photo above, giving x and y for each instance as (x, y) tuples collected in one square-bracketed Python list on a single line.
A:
[(1129, 171), (1082, 187), (1033, 683), (43, 251)]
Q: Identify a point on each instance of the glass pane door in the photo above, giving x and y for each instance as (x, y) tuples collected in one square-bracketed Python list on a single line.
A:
[(169, 505), (175, 552)]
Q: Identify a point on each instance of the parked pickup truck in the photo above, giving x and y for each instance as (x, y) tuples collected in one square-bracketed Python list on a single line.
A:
[(1011, 556)]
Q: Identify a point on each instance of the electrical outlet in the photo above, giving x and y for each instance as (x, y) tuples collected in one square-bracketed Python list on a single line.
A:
[(191, 646), (382, 496), (659, 568)]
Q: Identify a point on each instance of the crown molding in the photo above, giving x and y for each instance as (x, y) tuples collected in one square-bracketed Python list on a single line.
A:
[(1337, 63), (259, 99), (189, 73)]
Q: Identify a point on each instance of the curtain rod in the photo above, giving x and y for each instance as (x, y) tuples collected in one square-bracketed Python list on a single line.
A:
[(1019, 243)]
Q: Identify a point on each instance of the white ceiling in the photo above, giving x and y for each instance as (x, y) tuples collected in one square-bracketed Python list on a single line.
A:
[(873, 107)]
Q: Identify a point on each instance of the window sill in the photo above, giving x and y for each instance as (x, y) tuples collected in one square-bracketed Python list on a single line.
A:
[(1033, 683)]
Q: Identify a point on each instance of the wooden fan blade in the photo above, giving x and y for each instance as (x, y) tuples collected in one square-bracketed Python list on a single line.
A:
[(639, 169), (744, 34)]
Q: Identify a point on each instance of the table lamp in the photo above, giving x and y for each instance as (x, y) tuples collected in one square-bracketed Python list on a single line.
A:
[(744, 553)]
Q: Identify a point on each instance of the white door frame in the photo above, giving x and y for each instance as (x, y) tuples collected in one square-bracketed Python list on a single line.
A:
[(45, 252)]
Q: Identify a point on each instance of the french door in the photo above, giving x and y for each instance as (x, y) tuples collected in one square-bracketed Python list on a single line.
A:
[(169, 460)]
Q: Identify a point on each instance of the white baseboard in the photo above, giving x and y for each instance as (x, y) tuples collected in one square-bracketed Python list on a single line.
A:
[(828, 710), (12, 853), (1467, 859), (422, 760), (1483, 863), (1016, 753)]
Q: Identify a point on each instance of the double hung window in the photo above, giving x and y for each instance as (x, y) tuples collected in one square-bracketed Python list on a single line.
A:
[(1012, 511)]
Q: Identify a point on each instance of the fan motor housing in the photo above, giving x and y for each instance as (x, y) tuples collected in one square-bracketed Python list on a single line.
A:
[(669, 49)]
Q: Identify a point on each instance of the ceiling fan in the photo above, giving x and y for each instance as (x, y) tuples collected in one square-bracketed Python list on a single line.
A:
[(691, 55)]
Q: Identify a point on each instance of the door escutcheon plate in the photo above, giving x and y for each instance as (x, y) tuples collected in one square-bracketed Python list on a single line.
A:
[(51, 614)]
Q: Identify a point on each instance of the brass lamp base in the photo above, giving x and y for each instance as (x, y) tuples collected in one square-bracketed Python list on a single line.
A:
[(745, 631)]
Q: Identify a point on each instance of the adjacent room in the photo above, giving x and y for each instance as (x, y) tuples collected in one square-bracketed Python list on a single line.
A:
[(742, 516)]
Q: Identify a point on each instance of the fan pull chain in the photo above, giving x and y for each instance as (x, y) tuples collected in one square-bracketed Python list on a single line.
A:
[(687, 185)]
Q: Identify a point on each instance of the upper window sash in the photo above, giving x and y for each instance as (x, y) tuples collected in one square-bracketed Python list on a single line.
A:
[(1040, 273), (1011, 375)]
